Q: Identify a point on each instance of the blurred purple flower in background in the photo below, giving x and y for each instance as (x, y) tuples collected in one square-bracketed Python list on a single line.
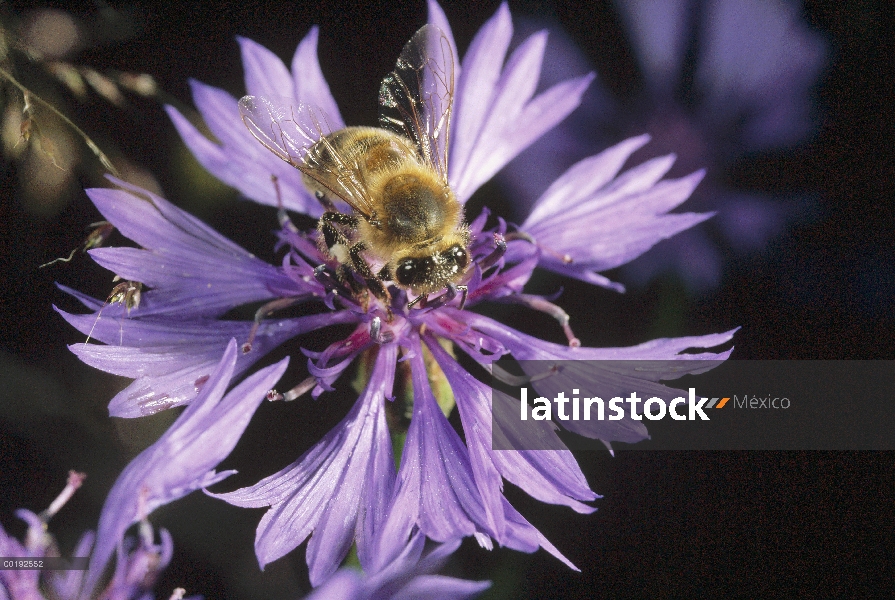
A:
[(136, 570), (181, 461), (720, 80), (410, 574), (346, 490)]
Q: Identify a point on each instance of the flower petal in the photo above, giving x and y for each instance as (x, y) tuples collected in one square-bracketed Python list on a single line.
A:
[(436, 489), (549, 475), (337, 491), (523, 536), (438, 18), (265, 73), (171, 360), (240, 161), (606, 380), (583, 179), (495, 116), (181, 460), (480, 72), (310, 85), (603, 228), (177, 251)]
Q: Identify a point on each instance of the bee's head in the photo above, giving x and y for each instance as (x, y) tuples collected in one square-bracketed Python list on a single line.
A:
[(432, 271)]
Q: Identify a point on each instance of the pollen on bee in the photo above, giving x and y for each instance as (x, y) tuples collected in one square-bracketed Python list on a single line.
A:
[(340, 253)]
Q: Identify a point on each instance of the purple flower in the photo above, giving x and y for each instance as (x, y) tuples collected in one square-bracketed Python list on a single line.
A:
[(408, 575), (137, 567), (183, 459), (23, 583), (339, 489), (721, 79), (345, 489), (621, 217), (138, 564)]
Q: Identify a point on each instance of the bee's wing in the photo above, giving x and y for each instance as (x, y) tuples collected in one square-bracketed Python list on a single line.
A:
[(290, 131), (416, 99), (286, 130)]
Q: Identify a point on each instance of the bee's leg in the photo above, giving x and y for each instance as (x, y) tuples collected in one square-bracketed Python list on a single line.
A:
[(500, 248), (377, 334), (340, 218), (373, 282), (346, 276), (385, 274), (333, 285), (332, 234), (327, 204), (465, 291), (332, 237), (337, 245), (421, 300), (449, 294)]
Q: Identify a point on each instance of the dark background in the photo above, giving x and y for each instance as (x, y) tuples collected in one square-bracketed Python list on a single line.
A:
[(743, 524)]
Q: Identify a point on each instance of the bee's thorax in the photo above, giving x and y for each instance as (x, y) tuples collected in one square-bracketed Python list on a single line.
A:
[(413, 212)]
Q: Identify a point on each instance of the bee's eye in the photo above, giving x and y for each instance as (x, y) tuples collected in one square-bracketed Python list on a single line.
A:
[(459, 255), (406, 271), (413, 271)]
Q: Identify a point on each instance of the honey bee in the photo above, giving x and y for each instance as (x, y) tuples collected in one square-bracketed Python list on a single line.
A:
[(404, 215)]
